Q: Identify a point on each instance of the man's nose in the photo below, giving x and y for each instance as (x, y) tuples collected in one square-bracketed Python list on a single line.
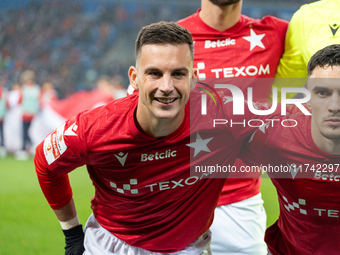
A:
[(334, 105), (167, 84)]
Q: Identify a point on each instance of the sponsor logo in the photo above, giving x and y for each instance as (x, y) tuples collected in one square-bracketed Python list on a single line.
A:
[(294, 205), (201, 66), (126, 187), (325, 177), (230, 72), (294, 169), (71, 131), (54, 145), (55, 148), (158, 155), (244, 71), (130, 187), (121, 157), (49, 147), (321, 212), (334, 28), (219, 43)]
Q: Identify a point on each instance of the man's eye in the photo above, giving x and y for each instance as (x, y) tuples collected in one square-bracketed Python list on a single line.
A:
[(322, 93), (178, 74), (155, 73)]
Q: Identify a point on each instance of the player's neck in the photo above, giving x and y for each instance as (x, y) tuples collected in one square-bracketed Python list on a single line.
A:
[(220, 17), (332, 146)]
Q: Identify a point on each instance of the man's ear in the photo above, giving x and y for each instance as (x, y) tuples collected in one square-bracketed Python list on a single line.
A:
[(193, 79), (133, 77)]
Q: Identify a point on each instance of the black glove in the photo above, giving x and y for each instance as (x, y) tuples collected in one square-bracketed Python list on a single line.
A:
[(74, 239)]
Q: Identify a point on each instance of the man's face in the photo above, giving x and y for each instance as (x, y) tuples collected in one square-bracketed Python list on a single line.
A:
[(224, 2), (164, 79), (324, 86)]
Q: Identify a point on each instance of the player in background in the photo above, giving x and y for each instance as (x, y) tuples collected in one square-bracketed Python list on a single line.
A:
[(230, 46), (311, 28), (139, 151), (30, 105), (48, 94), (308, 156), (3, 108)]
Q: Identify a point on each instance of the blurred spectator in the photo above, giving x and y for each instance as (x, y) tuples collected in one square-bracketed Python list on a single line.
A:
[(29, 101), (111, 86), (48, 93), (14, 95), (13, 120), (3, 96), (119, 88)]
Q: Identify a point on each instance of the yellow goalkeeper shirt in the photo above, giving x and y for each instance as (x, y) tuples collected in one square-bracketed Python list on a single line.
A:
[(313, 27)]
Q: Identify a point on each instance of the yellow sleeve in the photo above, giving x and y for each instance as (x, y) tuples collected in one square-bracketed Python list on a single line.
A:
[(292, 64)]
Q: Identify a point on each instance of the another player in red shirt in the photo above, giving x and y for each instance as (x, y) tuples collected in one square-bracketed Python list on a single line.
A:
[(307, 163), (141, 153), (245, 52)]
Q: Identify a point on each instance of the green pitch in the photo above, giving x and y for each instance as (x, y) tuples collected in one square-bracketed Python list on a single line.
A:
[(29, 227), (27, 224)]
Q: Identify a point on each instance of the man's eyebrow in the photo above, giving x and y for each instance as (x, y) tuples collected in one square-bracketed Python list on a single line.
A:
[(320, 88), (152, 69), (155, 69), (181, 69)]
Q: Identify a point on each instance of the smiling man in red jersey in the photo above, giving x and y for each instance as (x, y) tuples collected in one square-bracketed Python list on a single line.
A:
[(139, 152)]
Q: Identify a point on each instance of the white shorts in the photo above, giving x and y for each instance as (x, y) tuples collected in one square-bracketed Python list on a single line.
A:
[(100, 241), (239, 228)]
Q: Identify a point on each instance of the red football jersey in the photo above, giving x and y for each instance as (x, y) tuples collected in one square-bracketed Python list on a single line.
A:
[(251, 50), (148, 190), (307, 182)]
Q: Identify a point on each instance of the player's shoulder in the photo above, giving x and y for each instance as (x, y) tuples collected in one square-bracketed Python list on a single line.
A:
[(271, 20), (292, 127), (267, 24), (188, 21), (112, 111)]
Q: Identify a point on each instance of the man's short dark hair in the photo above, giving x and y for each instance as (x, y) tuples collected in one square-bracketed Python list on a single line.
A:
[(164, 33), (328, 56)]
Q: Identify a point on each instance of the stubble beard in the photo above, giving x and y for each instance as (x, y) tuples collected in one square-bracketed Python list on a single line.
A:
[(224, 2)]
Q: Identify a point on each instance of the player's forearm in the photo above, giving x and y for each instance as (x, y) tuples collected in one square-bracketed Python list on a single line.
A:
[(56, 188), (72, 229), (67, 216), (66, 213)]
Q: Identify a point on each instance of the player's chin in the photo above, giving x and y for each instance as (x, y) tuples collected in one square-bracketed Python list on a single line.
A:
[(168, 114), (332, 134)]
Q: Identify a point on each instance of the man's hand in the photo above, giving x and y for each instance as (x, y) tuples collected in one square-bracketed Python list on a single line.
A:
[(74, 239)]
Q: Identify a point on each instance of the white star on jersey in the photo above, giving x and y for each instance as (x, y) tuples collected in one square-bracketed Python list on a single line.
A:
[(255, 40), (200, 144)]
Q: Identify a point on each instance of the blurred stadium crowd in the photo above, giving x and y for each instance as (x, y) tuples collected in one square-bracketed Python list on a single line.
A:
[(72, 43)]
